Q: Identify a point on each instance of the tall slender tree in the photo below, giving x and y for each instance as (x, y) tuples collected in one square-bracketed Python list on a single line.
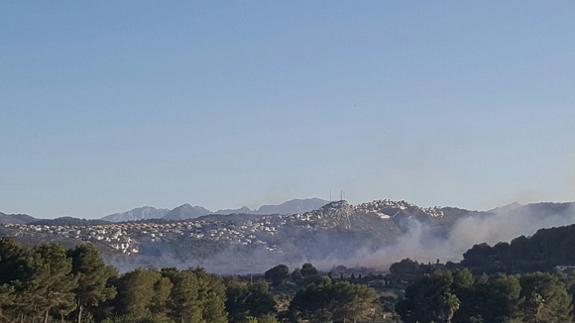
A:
[(93, 277), (52, 285)]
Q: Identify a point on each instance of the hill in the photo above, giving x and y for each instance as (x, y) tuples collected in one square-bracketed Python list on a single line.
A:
[(68, 221), (15, 218)]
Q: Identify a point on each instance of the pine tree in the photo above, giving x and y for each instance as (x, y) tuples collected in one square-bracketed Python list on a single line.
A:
[(136, 292), (184, 304), (52, 284), (546, 299), (212, 295), (162, 291), (93, 276)]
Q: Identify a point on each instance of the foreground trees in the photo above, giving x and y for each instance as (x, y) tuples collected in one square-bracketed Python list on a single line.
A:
[(459, 297), (172, 295), (93, 278), (327, 301), (245, 300), (546, 299), (430, 300), (48, 283), (52, 283), (36, 283)]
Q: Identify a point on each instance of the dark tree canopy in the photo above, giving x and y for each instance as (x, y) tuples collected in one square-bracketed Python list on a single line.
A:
[(543, 251), (459, 297), (327, 301), (277, 275), (245, 299), (308, 270)]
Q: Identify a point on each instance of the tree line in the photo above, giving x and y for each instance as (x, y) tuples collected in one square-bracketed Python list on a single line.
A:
[(530, 279), (48, 283), (445, 296), (543, 251)]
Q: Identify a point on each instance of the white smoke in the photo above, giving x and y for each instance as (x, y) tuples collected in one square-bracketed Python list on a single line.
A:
[(419, 243)]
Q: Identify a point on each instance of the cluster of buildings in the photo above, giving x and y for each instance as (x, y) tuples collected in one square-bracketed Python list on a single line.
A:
[(265, 231), (127, 237), (114, 236)]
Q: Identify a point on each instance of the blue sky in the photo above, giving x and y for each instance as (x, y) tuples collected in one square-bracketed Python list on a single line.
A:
[(109, 105)]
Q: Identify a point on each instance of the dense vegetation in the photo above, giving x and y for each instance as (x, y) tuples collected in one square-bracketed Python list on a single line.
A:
[(445, 296), (546, 249), (47, 283), (528, 280)]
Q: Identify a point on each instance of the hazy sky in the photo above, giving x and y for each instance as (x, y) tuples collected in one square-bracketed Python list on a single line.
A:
[(109, 105)]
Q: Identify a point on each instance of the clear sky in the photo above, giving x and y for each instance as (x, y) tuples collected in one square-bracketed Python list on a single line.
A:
[(110, 105)]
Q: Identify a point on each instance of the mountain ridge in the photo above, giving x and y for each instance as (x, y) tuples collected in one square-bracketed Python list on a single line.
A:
[(15, 218), (338, 232), (136, 214), (188, 211)]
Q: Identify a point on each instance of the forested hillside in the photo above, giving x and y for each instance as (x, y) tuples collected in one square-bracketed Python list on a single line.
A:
[(545, 250)]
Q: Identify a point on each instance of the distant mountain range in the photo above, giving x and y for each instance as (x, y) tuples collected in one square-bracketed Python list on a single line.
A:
[(141, 213), (294, 206), (187, 211), (182, 212)]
